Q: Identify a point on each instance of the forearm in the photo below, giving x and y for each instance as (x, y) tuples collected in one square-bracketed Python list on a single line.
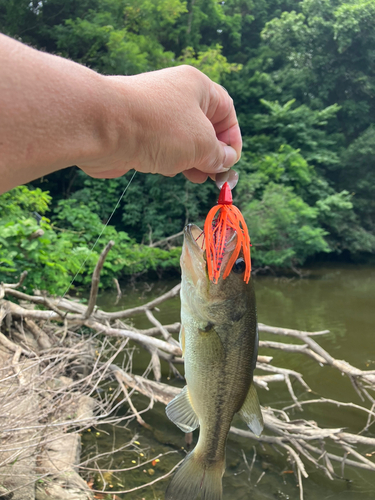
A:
[(52, 114), (55, 113)]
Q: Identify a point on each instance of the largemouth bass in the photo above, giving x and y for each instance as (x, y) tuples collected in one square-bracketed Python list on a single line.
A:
[(219, 341)]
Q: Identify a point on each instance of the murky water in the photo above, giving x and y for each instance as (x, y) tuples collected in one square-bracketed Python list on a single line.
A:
[(338, 298)]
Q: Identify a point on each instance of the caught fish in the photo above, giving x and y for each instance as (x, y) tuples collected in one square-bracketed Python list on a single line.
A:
[(219, 341)]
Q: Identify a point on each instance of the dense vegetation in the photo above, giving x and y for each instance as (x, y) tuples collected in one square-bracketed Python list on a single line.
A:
[(302, 75)]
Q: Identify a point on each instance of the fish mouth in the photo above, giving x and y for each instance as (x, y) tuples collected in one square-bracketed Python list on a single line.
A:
[(194, 237), (193, 257)]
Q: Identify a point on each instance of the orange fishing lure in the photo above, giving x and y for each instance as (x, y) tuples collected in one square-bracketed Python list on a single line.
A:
[(220, 218)]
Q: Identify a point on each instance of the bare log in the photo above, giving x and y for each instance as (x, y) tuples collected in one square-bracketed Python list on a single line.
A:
[(11, 346), (293, 348), (288, 332), (20, 312), (74, 307), (167, 336), (41, 337), (137, 337), (20, 281), (141, 309), (96, 279), (300, 432), (36, 234), (175, 328), (166, 240), (301, 440), (323, 357), (119, 292)]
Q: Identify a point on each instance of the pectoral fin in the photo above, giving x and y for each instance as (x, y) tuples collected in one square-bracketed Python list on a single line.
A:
[(251, 412), (181, 412)]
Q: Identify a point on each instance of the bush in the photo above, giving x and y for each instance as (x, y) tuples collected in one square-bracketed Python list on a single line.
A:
[(54, 258)]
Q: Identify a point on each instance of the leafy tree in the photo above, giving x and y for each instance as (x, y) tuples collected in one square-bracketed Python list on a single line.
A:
[(358, 176), (154, 206), (301, 73), (325, 56), (120, 36), (342, 227), (58, 254), (283, 228), (211, 62), (300, 127), (23, 201)]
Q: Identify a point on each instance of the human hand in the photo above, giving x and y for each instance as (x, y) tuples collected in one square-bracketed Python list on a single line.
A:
[(56, 113), (168, 121)]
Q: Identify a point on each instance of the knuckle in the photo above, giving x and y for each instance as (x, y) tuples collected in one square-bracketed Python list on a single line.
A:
[(191, 73)]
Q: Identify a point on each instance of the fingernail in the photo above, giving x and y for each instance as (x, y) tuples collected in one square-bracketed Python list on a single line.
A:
[(230, 157), (221, 179)]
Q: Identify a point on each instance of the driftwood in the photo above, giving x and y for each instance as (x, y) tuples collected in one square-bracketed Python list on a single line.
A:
[(165, 241), (43, 346)]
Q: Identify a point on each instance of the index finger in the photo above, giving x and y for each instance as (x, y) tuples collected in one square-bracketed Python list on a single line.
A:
[(222, 115)]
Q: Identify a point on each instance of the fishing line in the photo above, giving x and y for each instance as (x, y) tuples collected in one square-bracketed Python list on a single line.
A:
[(100, 235), (228, 172)]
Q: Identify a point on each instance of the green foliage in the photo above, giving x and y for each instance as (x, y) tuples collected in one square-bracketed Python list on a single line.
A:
[(48, 259), (354, 22), (211, 62), (300, 127), (283, 228), (358, 175), (344, 232), (53, 259), (293, 213), (22, 200), (120, 36), (325, 56), (154, 207), (302, 75), (286, 166)]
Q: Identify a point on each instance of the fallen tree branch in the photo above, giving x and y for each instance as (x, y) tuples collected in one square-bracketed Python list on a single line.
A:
[(302, 441), (127, 313), (166, 240), (11, 346), (301, 432), (133, 408), (119, 292), (96, 279), (293, 348), (167, 336), (357, 377), (137, 337)]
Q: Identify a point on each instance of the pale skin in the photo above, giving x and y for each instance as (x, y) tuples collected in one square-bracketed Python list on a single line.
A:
[(55, 113)]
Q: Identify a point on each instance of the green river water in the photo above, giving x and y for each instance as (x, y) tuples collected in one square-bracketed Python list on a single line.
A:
[(335, 297)]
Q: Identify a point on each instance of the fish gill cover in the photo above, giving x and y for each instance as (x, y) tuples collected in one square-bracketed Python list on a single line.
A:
[(221, 221)]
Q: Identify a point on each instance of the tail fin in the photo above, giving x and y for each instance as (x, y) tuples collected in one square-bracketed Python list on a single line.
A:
[(192, 478)]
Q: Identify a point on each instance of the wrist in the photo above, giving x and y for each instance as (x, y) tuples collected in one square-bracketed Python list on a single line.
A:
[(113, 143)]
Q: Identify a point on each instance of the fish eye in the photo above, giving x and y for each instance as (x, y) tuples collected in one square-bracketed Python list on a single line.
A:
[(239, 266)]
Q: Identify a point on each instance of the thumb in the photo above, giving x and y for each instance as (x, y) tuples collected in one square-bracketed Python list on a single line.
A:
[(230, 156), (222, 158)]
